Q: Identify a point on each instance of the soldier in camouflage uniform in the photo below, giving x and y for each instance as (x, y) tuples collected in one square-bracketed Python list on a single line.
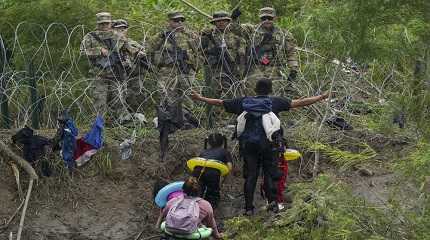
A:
[(269, 49), (136, 63), (173, 53), (102, 48), (224, 55)]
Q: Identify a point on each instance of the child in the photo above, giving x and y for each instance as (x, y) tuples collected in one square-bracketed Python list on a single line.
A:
[(157, 186), (209, 178), (191, 190)]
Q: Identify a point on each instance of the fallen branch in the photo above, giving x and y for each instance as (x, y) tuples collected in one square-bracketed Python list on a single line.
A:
[(18, 182), (4, 227), (140, 235), (327, 110), (6, 152), (27, 198)]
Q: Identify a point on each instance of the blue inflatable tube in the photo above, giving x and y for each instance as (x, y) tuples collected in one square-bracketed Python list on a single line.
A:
[(163, 194)]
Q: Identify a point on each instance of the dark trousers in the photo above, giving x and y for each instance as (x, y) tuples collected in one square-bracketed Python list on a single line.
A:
[(256, 156), (209, 181)]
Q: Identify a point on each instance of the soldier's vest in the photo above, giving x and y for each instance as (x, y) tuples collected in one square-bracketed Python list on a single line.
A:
[(169, 52), (221, 53), (264, 49), (104, 65)]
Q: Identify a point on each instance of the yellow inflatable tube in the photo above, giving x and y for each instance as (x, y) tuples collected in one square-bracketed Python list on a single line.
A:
[(202, 162), (291, 154)]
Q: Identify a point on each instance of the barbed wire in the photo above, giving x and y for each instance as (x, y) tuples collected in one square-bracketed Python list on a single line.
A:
[(63, 83)]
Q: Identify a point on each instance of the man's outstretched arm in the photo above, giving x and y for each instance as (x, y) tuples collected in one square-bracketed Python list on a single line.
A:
[(308, 101), (211, 101)]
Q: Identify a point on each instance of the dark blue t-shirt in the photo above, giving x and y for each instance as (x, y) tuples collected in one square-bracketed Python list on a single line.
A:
[(279, 104), (219, 154)]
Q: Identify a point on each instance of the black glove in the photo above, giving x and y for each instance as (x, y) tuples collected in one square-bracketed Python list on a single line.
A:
[(292, 76), (236, 13)]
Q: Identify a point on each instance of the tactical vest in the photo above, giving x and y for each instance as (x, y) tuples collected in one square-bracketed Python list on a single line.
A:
[(265, 50), (168, 53), (218, 57)]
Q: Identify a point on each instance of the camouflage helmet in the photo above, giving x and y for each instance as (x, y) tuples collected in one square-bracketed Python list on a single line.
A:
[(175, 15), (104, 17), (219, 16), (119, 23), (267, 12)]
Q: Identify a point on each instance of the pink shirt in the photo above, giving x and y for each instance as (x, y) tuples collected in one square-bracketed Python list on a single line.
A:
[(206, 216), (175, 194)]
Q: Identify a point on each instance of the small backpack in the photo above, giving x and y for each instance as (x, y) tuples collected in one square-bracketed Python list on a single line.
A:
[(183, 217), (256, 108)]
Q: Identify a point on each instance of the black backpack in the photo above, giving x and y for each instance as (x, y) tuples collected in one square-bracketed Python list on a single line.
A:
[(256, 107)]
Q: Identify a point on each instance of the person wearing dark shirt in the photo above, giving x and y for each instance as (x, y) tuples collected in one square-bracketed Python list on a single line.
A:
[(264, 154), (209, 178)]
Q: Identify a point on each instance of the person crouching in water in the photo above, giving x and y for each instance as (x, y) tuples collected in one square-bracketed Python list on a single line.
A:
[(191, 189), (209, 178)]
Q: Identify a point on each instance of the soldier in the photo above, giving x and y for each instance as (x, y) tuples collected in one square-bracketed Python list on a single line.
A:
[(224, 54), (103, 47), (269, 49), (136, 63), (174, 54)]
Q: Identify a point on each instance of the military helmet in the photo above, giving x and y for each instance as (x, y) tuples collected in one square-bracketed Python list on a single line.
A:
[(267, 12), (220, 15), (119, 23), (175, 15), (104, 17)]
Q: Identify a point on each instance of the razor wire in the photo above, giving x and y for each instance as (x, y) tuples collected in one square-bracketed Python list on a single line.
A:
[(62, 81)]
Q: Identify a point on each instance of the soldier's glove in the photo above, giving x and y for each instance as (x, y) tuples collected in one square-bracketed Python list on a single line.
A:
[(236, 13), (292, 76)]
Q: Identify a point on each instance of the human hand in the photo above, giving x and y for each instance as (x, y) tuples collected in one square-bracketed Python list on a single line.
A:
[(236, 13), (325, 95), (195, 95), (141, 54), (220, 236), (104, 52)]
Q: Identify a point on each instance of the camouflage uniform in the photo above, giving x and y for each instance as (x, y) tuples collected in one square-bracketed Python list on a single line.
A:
[(173, 54), (108, 86), (172, 80), (268, 51), (136, 63), (224, 55)]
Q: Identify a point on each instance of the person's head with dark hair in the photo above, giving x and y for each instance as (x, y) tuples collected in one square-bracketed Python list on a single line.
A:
[(216, 140), (263, 86), (158, 185), (191, 187)]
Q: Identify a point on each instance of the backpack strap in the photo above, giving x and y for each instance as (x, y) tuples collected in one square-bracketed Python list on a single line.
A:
[(98, 39)]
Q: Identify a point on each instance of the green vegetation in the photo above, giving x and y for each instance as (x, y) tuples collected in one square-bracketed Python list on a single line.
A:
[(326, 209), (388, 40)]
